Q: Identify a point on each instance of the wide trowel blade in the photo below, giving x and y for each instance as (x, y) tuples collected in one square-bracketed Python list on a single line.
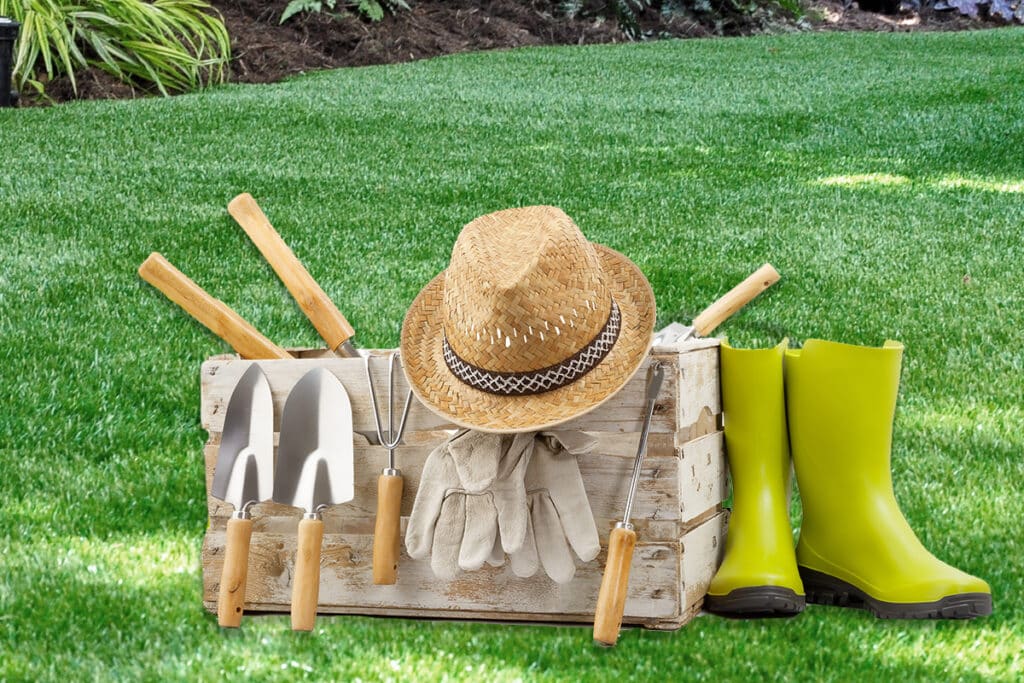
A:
[(245, 459), (314, 456)]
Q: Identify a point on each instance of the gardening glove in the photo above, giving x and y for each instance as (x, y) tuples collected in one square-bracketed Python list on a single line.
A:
[(560, 514), (472, 487)]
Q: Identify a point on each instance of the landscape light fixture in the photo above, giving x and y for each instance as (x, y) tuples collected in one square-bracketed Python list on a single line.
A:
[(8, 34)]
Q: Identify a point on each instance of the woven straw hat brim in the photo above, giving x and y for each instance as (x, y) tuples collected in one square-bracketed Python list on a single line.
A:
[(438, 389)]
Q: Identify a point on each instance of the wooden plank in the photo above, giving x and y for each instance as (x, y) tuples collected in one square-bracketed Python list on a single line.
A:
[(700, 400), (703, 548), (623, 412), (605, 477), (702, 475), (346, 583)]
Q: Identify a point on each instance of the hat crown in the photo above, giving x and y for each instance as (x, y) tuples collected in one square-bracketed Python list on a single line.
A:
[(524, 290)]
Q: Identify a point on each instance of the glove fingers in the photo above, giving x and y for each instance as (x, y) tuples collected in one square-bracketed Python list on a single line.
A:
[(497, 557), (438, 477), (551, 545), (565, 486), (444, 556), (480, 531), (524, 561)]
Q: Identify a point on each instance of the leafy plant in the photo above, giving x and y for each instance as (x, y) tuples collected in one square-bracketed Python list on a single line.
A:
[(371, 9), (170, 45)]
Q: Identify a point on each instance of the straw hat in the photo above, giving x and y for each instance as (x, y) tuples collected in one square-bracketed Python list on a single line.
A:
[(529, 326)]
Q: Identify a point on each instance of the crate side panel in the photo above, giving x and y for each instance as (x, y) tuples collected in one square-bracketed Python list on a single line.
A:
[(346, 584)]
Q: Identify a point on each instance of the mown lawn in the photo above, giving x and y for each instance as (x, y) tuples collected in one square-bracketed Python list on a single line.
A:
[(883, 175)]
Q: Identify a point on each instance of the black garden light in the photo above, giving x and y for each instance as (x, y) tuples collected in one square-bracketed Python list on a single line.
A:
[(8, 34)]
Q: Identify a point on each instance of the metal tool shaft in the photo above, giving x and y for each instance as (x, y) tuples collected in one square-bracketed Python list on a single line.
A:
[(656, 375), (393, 438)]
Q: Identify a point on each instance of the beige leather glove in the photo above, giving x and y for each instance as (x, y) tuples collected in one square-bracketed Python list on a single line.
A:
[(472, 488), (560, 514)]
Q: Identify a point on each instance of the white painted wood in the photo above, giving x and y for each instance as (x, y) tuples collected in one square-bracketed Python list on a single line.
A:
[(621, 413), (702, 475), (346, 583), (703, 548)]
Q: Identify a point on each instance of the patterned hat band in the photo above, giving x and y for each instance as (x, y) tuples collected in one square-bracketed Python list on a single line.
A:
[(545, 379)]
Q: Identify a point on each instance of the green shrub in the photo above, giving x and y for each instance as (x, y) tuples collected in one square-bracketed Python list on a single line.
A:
[(371, 9), (169, 45)]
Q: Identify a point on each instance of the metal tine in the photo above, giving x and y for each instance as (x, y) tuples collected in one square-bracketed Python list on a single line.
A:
[(393, 437)]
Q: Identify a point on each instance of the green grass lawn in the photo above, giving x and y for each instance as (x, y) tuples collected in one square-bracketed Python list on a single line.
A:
[(883, 175)]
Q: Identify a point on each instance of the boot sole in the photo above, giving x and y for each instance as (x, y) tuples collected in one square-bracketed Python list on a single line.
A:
[(824, 589), (756, 601)]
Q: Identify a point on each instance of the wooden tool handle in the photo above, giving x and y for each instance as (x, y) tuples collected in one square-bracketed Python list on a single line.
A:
[(611, 600), (317, 306), (213, 313), (386, 528), (306, 586), (735, 299), (231, 600)]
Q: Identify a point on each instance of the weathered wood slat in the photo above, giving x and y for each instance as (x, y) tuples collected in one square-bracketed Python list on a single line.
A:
[(346, 583), (702, 477), (621, 413), (702, 552), (656, 509)]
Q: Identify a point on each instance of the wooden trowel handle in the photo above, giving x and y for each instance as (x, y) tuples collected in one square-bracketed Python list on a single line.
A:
[(386, 529), (317, 306), (231, 600), (306, 586), (611, 600), (735, 299), (213, 313)]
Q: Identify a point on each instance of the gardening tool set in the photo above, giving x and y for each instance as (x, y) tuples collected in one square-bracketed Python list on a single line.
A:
[(521, 356)]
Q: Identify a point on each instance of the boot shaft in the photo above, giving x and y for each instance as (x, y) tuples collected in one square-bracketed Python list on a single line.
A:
[(841, 401)]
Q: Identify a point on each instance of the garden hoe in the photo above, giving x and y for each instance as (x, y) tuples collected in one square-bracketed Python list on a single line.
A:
[(212, 313), (611, 600), (314, 471), (720, 311), (317, 306), (243, 476)]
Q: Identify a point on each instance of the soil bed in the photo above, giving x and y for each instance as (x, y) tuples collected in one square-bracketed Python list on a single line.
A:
[(265, 51)]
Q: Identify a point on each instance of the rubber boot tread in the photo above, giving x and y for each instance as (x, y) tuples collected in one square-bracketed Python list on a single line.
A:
[(823, 589)]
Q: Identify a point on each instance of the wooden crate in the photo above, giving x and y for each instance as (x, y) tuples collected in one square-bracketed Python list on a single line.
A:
[(678, 514)]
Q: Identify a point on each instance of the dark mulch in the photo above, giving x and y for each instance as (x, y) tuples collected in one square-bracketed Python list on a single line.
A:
[(266, 51)]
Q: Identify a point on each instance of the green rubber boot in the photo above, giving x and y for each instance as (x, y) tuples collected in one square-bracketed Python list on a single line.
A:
[(856, 549), (758, 576)]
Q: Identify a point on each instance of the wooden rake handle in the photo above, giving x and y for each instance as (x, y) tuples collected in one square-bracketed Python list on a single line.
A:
[(214, 314), (735, 299), (317, 306)]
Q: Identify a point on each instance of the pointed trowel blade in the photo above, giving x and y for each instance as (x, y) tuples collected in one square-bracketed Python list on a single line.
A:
[(245, 459), (314, 456)]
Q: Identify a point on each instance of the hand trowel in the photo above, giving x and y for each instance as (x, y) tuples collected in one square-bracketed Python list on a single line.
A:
[(243, 477), (314, 471)]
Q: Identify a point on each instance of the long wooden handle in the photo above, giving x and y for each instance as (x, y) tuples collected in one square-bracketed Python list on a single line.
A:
[(317, 306), (735, 299), (611, 600), (386, 528), (306, 586), (231, 600), (213, 313)]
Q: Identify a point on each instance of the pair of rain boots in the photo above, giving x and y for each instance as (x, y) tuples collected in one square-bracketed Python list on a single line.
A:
[(833, 405)]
